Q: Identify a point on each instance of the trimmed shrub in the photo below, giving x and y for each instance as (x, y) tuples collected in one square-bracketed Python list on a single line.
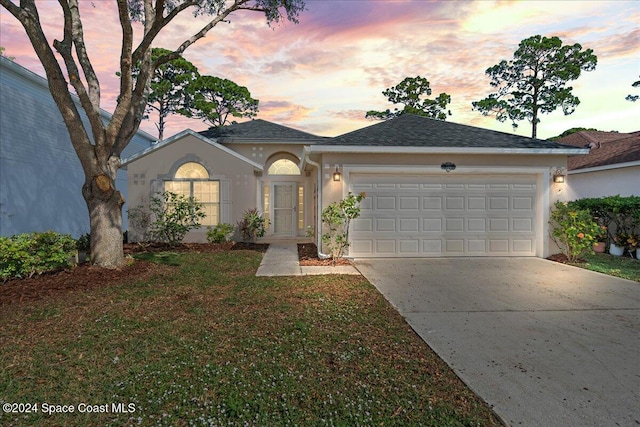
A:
[(221, 233), (336, 218), (175, 215), (573, 230), (25, 255), (252, 225)]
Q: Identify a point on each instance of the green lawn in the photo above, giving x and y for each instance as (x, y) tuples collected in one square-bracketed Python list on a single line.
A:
[(202, 341), (619, 266)]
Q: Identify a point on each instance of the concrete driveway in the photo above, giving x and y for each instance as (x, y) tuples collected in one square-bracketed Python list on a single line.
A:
[(543, 343)]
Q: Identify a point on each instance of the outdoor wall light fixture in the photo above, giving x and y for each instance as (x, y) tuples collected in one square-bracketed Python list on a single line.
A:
[(448, 166), (558, 176), (337, 176)]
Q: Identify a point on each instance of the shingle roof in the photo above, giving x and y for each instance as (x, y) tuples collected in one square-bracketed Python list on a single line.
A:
[(410, 130), (259, 130), (607, 148)]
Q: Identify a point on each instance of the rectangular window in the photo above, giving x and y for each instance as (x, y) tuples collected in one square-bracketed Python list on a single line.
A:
[(206, 192), (266, 206), (300, 207)]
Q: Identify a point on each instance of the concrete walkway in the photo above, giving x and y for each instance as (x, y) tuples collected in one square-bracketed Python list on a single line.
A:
[(281, 259)]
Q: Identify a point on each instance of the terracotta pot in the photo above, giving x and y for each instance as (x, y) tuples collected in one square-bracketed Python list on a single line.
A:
[(616, 250), (599, 247)]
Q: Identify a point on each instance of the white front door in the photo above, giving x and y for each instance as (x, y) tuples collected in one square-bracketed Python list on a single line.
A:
[(284, 208)]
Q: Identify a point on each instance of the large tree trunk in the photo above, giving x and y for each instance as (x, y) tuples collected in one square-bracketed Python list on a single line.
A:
[(105, 215)]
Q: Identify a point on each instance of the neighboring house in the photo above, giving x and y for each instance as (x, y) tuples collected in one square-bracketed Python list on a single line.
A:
[(494, 202), (612, 166), (40, 175)]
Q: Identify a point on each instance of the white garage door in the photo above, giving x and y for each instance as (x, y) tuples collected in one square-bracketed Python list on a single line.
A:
[(444, 215)]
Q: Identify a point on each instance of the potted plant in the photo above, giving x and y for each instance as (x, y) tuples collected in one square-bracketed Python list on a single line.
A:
[(633, 243), (617, 244), (601, 239)]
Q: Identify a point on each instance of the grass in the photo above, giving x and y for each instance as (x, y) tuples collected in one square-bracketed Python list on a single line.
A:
[(208, 343), (618, 266)]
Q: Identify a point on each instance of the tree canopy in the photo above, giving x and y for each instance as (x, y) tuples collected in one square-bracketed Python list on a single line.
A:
[(534, 81), (169, 85), (214, 99), (97, 143), (411, 93)]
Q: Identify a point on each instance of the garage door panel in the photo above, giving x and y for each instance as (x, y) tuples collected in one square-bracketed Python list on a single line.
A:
[(362, 224), (498, 225), (432, 225), (499, 203), (410, 225), (522, 203), (387, 203), (454, 246), (385, 246), (522, 224), (454, 203), (385, 224), (410, 247), (409, 203), (361, 246), (522, 246), (477, 224), (432, 247), (499, 246), (477, 246), (454, 224), (445, 215), (475, 203), (432, 203), (409, 186)]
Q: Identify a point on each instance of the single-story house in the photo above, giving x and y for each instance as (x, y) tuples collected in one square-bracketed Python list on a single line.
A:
[(433, 188), (40, 175), (612, 166)]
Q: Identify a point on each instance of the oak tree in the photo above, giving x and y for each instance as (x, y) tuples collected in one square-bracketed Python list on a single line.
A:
[(535, 81), (411, 93), (99, 144)]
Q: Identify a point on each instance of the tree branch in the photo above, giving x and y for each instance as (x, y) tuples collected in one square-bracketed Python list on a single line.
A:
[(81, 51), (65, 49)]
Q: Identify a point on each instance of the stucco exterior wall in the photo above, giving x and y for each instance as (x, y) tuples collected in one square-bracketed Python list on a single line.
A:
[(238, 182), (610, 182), (261, 153), (40, 175)]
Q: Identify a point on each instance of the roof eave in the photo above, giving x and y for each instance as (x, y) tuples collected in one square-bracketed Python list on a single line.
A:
[(197, 135), (604, 167), (284, 141), (440, 150)]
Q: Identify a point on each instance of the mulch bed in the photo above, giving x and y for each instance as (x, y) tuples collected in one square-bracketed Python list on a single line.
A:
[(562, 258), (308, 256), (84, 277)]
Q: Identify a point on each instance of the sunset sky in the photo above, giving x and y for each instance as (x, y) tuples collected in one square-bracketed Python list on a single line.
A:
[(324, 73)]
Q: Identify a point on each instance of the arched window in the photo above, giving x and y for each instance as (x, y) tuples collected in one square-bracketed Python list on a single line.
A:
[(283, 167), (192, 180), (192, 170)]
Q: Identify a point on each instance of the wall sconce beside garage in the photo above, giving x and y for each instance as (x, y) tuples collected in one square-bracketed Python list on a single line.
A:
[(559, 175)]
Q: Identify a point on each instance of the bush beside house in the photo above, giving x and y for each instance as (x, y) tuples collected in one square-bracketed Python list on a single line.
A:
[(617, 219)]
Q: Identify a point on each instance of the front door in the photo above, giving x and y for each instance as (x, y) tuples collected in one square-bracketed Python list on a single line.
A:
[(284, 208)]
